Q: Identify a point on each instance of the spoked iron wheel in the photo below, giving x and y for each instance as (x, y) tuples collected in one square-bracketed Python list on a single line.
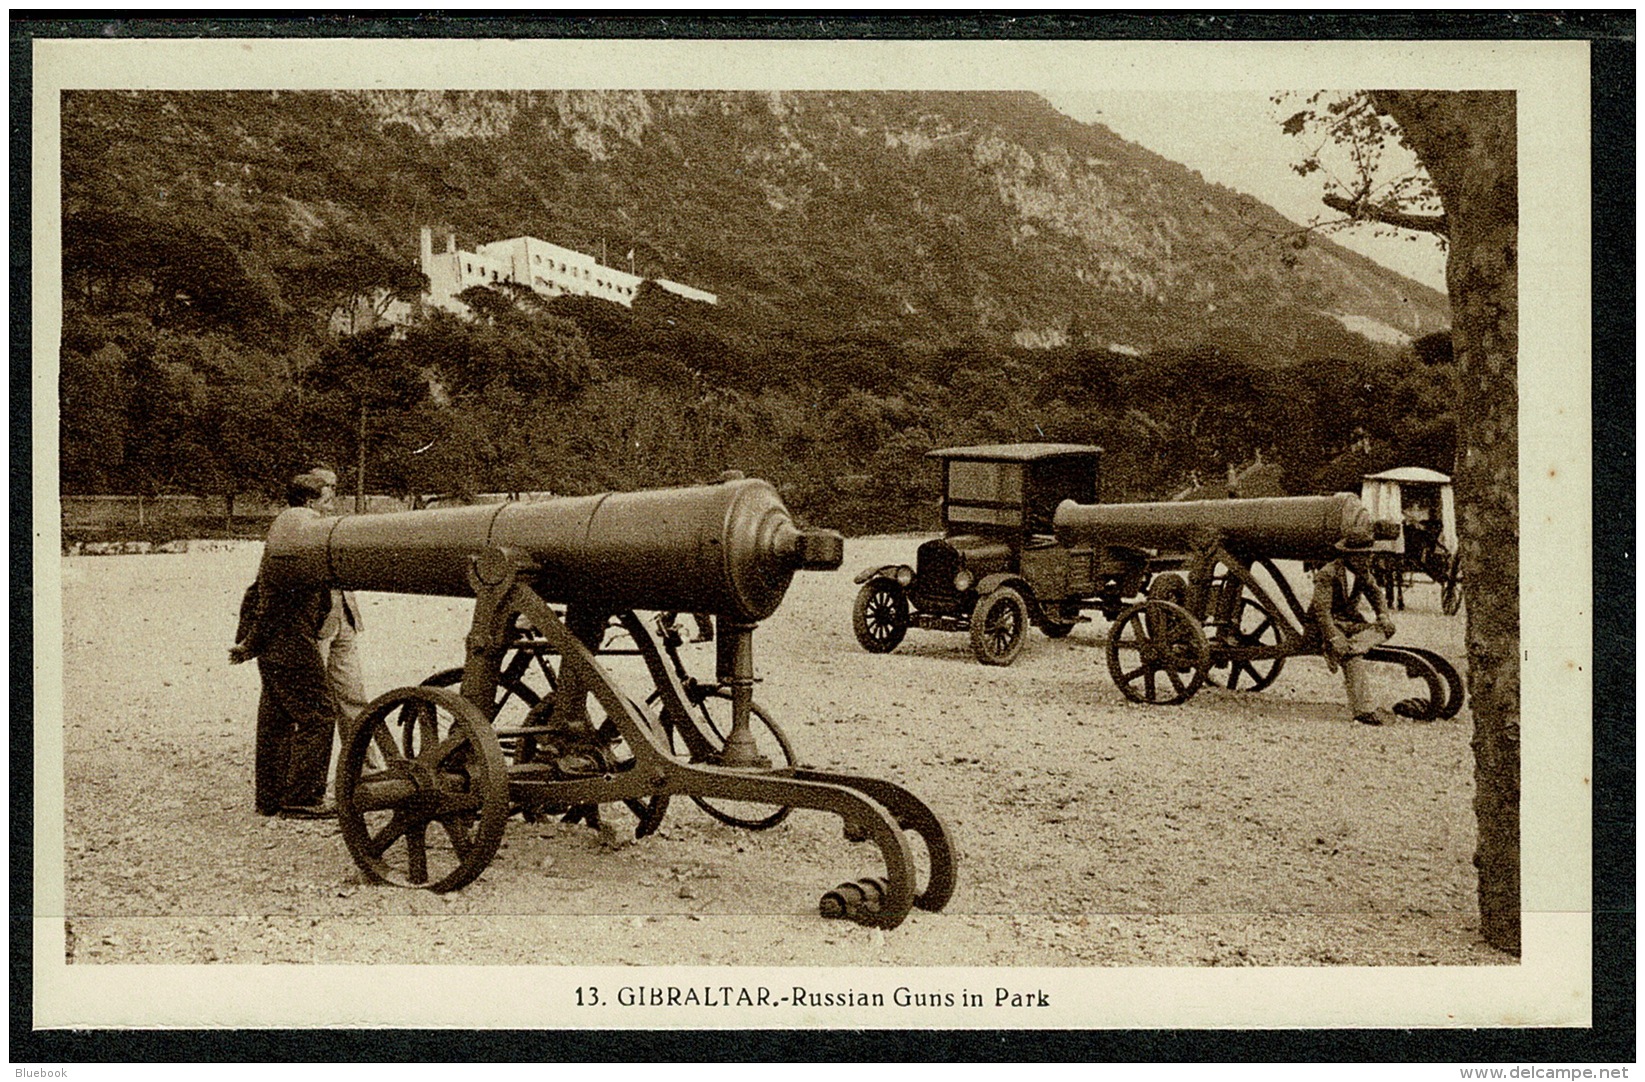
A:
[(880, 616), (432, 814), (712, 717), (1157, 653), (1250, 628)]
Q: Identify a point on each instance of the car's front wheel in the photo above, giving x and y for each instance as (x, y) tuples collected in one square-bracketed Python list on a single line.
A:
[(880, 617), (999, 627)]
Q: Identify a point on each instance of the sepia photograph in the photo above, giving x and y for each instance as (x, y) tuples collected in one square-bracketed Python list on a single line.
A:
[(810, 534)]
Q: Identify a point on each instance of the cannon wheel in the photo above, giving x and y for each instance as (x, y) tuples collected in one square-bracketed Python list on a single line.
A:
[(1164, 639), (769, 739), (518, 699), (999, 626), (1253, 625), (1450, 594), (880, 616), (445, 772)]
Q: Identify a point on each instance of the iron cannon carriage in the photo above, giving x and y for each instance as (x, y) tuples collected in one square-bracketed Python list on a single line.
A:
[(1230, 616), (998, 569), (430, 774)]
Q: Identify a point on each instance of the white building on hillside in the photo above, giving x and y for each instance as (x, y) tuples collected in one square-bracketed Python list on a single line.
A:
[(536, 264)]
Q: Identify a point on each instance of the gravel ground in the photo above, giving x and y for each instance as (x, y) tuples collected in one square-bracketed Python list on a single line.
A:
[(1238, 829)]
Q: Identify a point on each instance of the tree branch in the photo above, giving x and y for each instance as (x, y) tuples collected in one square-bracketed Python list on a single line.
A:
[(1363, 211)]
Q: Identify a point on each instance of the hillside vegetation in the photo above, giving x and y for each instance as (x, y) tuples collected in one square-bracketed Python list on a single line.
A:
[(896, 272)]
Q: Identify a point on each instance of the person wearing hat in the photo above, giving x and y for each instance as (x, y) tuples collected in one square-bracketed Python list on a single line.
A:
[(1339, 588), (292, 633)]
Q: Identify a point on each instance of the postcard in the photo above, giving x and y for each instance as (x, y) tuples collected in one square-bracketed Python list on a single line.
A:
[(985, 398)]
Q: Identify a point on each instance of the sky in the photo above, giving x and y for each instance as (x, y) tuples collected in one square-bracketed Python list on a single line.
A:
[(1234, 139)]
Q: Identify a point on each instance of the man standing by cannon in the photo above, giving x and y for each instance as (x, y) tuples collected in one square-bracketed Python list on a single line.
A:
[(303, 640), (1346, 636)]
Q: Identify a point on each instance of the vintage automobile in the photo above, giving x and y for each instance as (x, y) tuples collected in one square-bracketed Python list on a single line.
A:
[(998, 568)]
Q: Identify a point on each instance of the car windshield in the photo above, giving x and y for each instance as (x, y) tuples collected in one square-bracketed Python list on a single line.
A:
[(985, 492)]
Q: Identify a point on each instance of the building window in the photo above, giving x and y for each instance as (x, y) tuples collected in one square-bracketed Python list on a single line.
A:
[(468, 268)]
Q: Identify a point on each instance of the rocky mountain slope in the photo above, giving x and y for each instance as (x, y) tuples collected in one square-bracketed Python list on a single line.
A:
[(929, 217)]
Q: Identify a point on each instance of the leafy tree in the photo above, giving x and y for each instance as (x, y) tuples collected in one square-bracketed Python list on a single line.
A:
[(494, 381), (537, 355), (93, 430), (1373, 182), (346, 274), (179, 269), (217, 422), (368, 374), (488, 305)]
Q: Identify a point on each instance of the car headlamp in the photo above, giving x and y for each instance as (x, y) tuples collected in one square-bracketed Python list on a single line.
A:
[(963, 580)]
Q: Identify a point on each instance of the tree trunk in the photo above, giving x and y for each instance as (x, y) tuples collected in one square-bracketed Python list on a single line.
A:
[(1467, 142)]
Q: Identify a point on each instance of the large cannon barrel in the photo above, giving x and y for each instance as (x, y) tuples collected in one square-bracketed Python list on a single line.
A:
[(729, 549), (1294, 527)]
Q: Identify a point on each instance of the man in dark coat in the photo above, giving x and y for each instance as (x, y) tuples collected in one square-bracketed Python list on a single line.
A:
[(289, 632)]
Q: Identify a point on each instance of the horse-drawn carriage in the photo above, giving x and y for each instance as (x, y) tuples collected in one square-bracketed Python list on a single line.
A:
[(1423, 502)]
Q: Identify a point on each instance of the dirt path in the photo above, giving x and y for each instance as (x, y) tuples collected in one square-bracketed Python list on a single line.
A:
[(1238, 829)]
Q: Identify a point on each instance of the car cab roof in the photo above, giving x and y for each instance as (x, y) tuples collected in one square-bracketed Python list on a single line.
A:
[(1017, 452)]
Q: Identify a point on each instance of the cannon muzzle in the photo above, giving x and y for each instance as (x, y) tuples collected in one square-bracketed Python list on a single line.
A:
[(729, 549), (1286, 527)]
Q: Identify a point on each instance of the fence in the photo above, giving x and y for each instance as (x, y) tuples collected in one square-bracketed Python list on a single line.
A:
[(155, 521), (142, 511)]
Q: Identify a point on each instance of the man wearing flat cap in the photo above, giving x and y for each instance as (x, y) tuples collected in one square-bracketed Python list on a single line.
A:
[(303, 640)]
